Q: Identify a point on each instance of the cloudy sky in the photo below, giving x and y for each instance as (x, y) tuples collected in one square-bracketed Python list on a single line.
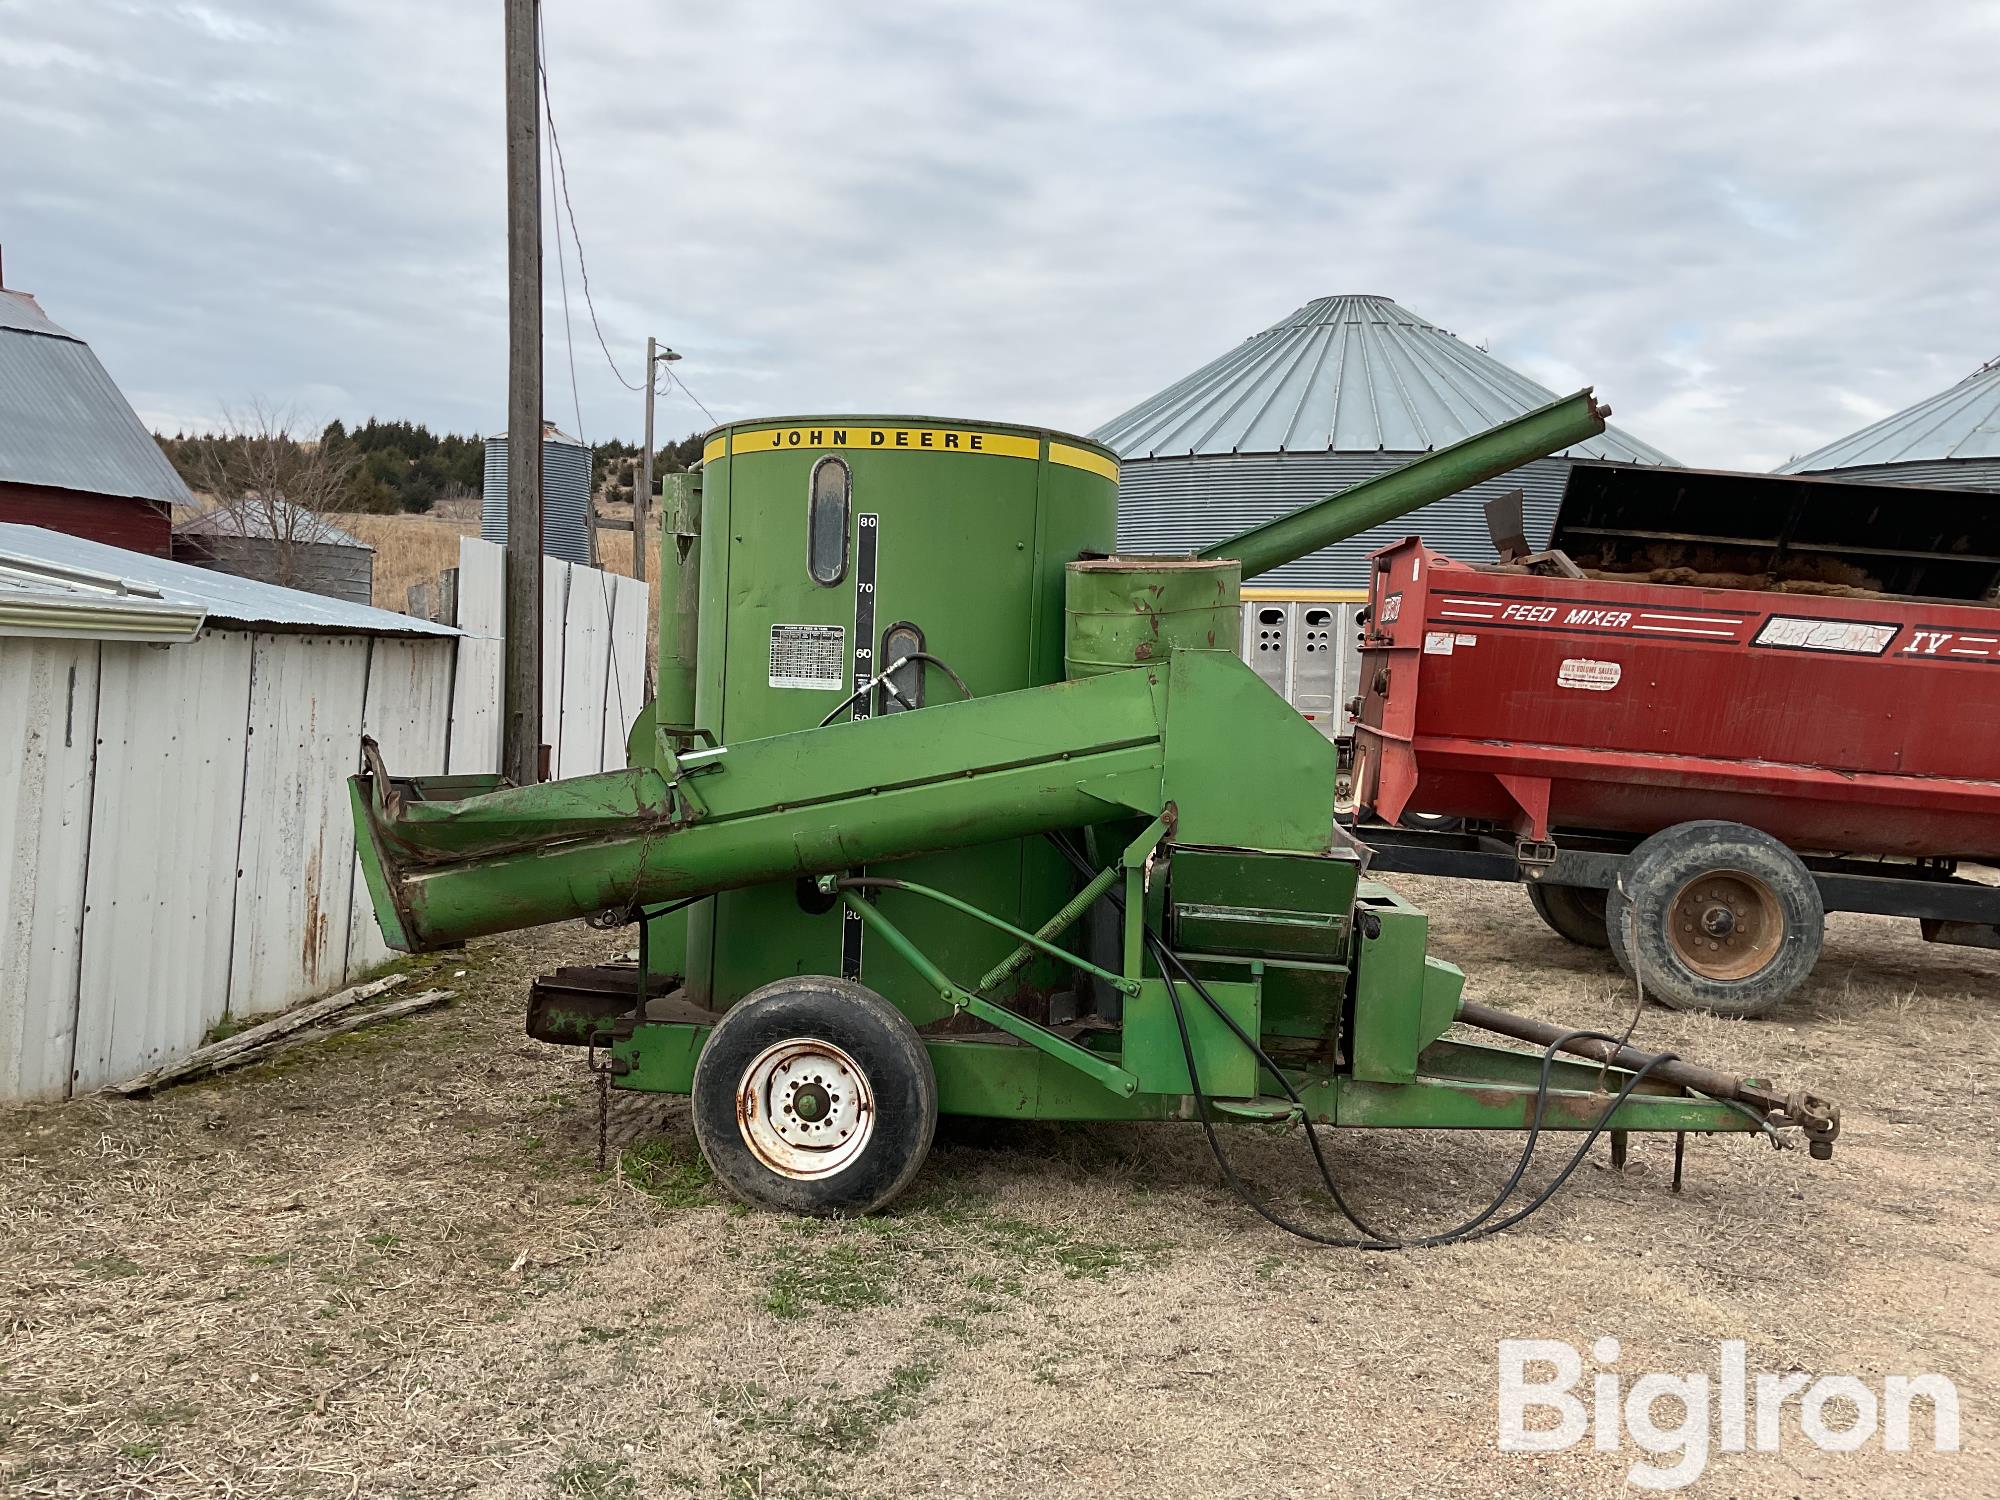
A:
[(1753, 227)]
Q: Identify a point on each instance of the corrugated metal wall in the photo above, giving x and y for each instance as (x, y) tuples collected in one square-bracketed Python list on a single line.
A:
[(293, 886), (408, 713), (160, 879), (46, 747), (595, 626), (175, 840), (1169, 505), (476, 694), (175, 845), (565, 498)]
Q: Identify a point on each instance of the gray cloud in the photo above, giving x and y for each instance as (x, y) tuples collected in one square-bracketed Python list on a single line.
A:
[(1753, 228)]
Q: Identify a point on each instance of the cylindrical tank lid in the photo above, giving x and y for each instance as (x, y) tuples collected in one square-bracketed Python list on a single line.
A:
[(906, 434)]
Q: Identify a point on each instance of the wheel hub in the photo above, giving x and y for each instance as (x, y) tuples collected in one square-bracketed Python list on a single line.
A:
[(1725, 925), (805, 1108)]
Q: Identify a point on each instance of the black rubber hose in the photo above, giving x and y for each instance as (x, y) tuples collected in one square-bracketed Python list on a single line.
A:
[(944, 667), (1474, 1228), (869, 687)]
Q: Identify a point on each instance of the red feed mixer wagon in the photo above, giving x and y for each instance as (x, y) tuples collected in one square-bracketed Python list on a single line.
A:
[(1720, 706)]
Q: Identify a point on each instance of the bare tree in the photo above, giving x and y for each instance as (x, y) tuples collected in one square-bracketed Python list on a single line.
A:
[(271, 483)]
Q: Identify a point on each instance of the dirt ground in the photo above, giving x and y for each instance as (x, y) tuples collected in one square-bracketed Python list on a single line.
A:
[(387, 1266)]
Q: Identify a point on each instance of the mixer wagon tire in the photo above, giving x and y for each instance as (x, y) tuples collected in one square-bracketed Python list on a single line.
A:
[(1718, 917), (1572, 911), (1424, 822), (815, 1095)]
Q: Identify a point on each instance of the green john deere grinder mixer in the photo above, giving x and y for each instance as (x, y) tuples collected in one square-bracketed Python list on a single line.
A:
[(944, 808)]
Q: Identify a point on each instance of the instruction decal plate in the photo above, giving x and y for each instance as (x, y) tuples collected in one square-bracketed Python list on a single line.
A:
[(809, 656)]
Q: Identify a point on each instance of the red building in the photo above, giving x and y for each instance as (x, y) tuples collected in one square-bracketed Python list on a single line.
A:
[(74, 456)]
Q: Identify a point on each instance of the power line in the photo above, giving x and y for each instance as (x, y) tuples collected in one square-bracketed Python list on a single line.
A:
[(561, 183), (691, 395), (562, 269)]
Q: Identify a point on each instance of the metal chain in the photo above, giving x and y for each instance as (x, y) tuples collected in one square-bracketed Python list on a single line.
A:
[(1630, 921), (603, 1115)]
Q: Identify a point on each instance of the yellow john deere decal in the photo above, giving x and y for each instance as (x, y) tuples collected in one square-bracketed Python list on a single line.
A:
[(1083, 458), (717, 447), (905, 439)]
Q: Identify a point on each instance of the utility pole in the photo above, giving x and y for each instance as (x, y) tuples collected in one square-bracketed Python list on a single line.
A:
[(642, 488), (521, 718), (642, 492)]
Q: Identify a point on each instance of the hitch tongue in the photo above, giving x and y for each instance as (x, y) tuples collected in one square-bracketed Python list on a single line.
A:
[(1818, 1119)]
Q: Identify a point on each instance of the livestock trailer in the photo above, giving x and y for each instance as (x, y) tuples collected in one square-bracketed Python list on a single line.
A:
[(1303, 643), (1720, 706)]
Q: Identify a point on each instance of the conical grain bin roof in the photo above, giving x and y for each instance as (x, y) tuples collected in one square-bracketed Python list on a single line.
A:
[(1950, 439), (1342, 389), (1356, 374)]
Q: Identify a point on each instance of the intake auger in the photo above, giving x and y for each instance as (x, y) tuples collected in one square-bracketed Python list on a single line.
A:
[(945, 808)]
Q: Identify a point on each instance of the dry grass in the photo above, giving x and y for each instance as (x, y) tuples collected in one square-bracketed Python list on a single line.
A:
[(408, 550), (386, 1267), (411, 549)]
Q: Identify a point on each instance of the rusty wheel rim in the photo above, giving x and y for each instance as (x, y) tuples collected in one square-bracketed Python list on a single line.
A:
[(1725, 925), (805, 1108)]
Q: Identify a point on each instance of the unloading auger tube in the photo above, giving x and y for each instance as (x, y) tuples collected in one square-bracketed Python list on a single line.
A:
[(1397, 492), (810, 803)]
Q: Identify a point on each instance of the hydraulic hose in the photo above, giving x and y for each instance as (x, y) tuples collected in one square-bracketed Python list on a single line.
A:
[(1473, 1228), (1478, 1226), (881, 679)]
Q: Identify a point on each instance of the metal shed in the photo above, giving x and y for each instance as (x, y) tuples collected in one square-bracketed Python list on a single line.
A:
[(74, 456), (1341, 390), (1950, 440), (175, 845), (273, 542)]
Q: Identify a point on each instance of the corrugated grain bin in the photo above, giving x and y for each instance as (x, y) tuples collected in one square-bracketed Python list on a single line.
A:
[(565, 495)]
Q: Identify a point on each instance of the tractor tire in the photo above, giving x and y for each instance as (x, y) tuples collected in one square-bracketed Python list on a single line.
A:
[(1718, 917), (815, 1096), (1572, 911)]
